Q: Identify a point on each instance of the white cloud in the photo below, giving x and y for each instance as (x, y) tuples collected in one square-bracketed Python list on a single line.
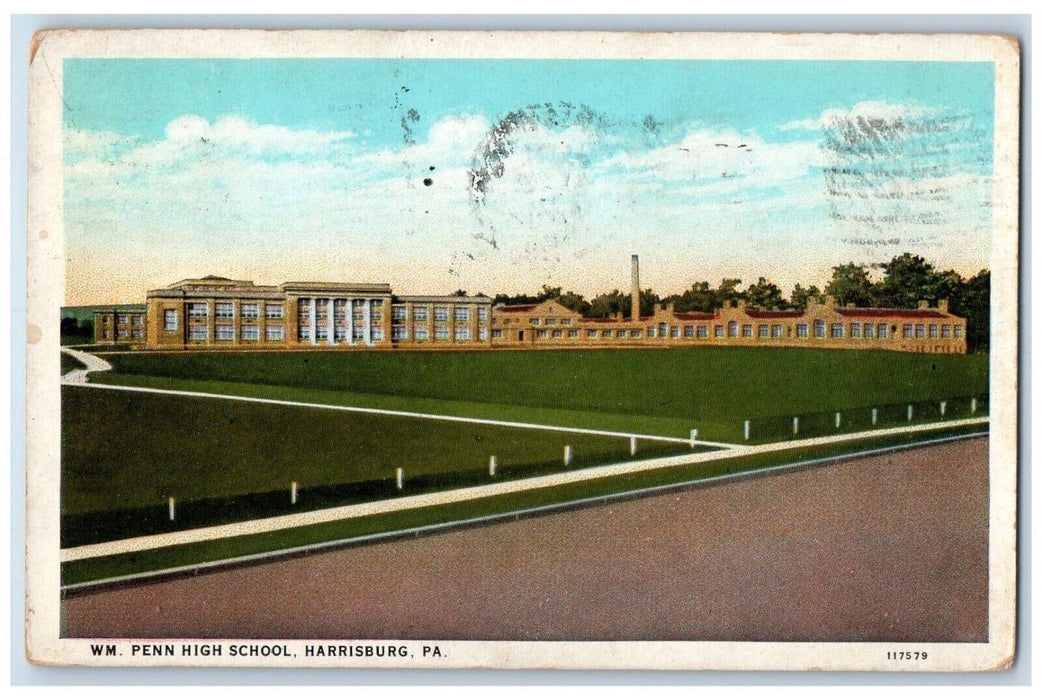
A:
[(867, 110)]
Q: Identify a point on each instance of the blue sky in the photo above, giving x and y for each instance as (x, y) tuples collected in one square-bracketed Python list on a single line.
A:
[(505, 175)]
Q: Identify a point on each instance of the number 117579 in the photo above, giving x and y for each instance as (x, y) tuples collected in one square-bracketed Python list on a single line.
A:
[(906, 656)]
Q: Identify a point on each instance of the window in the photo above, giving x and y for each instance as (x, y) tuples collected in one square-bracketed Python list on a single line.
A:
[(732, 329), (399, 313), (718, 331), (224, 309), (275, 333), (497, 333), (170, 320), (249, 310), (747, 330), (605, 334), (819, 328), (225, 332), (534, 321), (958, 331), (339, 334), (198, 311), (123, 333), (483, 334), (933, 330), (703, 331), (482, 314), (303, 332), (273, 311), (441, 313), (621, 333), (663, 330), (906, 330), (199, 333), (420, 333), (108, 335), (399, 333), (419, 313), (122, 318), (575, 334), (855, 330), (674, 331), (377, 334), (870, 330), (137, 320), (801, 330), (138, 333), (441, 332), (651, 331), (304, 308), (462, 314), (763, 331), (541, 333), (558, 333), (837, 330), (566, 321), (776, 330), (550, 322), (378, 303), (946, 331), (462, 334), (591, 334), (250, 333), (689, 331), (635, 333), (920, 330), (884, 332)]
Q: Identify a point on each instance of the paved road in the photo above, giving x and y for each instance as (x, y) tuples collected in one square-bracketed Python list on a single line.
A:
[(893, 547)]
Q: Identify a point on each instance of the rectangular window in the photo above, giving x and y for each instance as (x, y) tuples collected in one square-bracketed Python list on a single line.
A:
[(575, 334), (674, 331), (732, 329), (224, 309), (419, 314), (198, 311), (441, 332), (606, 334), (906, 330), (199, 333), (250, 333), (763, 331), (322, 333), (108, 335), (441, 313), (377, 334), (801, 330), (541, 333), (776, 330), (558, 333), (123, 333), (138, 333), (482, 314), (225, 332), (920, 330), (855, 330), (870, 330), (591, 334), (122, 318), (399, 333), (462, 314), (747, 330), (663, 330), (566, 321), (420, 333), (819, 328), (249, 310), (137, 320), (958, 331), (550, 322), (933, 330), (303, 332), (170, 320), (635, 333), (483, 334), (689, 331), (620, 333), (399, 313), (837, 330), (497, 333), (718, 331), (462, 334), (275, 333), (884, 331), (651, 331), (946, 331), (273, 311), (702, 331), (534, 321)]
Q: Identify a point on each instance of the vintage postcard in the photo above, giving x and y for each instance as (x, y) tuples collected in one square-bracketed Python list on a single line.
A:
[(522, 350)]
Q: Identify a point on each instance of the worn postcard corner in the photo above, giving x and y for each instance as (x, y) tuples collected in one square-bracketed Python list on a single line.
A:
[(522, 350)]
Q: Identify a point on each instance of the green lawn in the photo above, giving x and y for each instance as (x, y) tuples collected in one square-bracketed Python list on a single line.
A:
[(69, 363), (665, 391)]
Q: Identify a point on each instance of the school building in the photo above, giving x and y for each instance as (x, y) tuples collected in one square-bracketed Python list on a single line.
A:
[(216, 312)]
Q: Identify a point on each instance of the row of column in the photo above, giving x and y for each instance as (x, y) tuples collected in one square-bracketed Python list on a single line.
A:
[(367, 324)]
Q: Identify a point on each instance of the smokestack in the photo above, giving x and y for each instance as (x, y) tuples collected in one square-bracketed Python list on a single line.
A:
[(635, 303)]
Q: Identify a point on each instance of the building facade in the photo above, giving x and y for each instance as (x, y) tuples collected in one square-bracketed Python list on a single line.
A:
[(216, 313)]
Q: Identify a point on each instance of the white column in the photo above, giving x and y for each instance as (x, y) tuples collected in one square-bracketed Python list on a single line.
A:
[(314, 320), (367, 320), (332, 321), (350, 321)]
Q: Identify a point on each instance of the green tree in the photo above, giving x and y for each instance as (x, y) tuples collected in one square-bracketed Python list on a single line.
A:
[(728, 291), (700, 297), (907, 279), (764, 295), (607, 305), (974, 304), (802, 296), (850, 284)]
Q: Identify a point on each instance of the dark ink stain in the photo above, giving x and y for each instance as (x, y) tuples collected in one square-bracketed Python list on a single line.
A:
[(431, 168), (428, 181)]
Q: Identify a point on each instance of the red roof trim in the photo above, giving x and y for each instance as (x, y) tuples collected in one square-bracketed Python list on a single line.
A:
[(753, 313), (695, 316), (516, 309), (891, 313)]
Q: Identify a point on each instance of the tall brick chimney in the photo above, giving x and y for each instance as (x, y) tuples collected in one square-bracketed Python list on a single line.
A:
[(635, 303)]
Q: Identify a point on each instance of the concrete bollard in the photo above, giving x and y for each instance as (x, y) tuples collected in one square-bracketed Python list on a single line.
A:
[(838, 419), (875, 416), (567, 455), (745, 431), (795, 425), (910, 412), (492, 465), (293, 493), (633, 445), (170, 506), (944, 406), (973, 405), (694, 436), (399, 477)]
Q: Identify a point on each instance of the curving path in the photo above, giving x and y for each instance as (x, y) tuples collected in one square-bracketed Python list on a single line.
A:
[(93, 362)]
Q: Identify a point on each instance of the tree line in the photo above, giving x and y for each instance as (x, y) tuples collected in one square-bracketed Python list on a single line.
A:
[(907, 279)]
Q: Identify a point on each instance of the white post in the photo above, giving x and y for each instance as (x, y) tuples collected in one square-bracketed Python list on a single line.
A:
[(875, 415), (314, 320), (694, 436), (944, 407), (973, 405), (746, 430), (170, 505), (399, 477), (293, 493), (332, 320), (492, 465), (910, 412), (837, 419), (795, 425), (567, 455), (633, 445)]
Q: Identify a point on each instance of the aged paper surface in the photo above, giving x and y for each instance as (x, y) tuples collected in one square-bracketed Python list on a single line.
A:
[(406, 349)]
